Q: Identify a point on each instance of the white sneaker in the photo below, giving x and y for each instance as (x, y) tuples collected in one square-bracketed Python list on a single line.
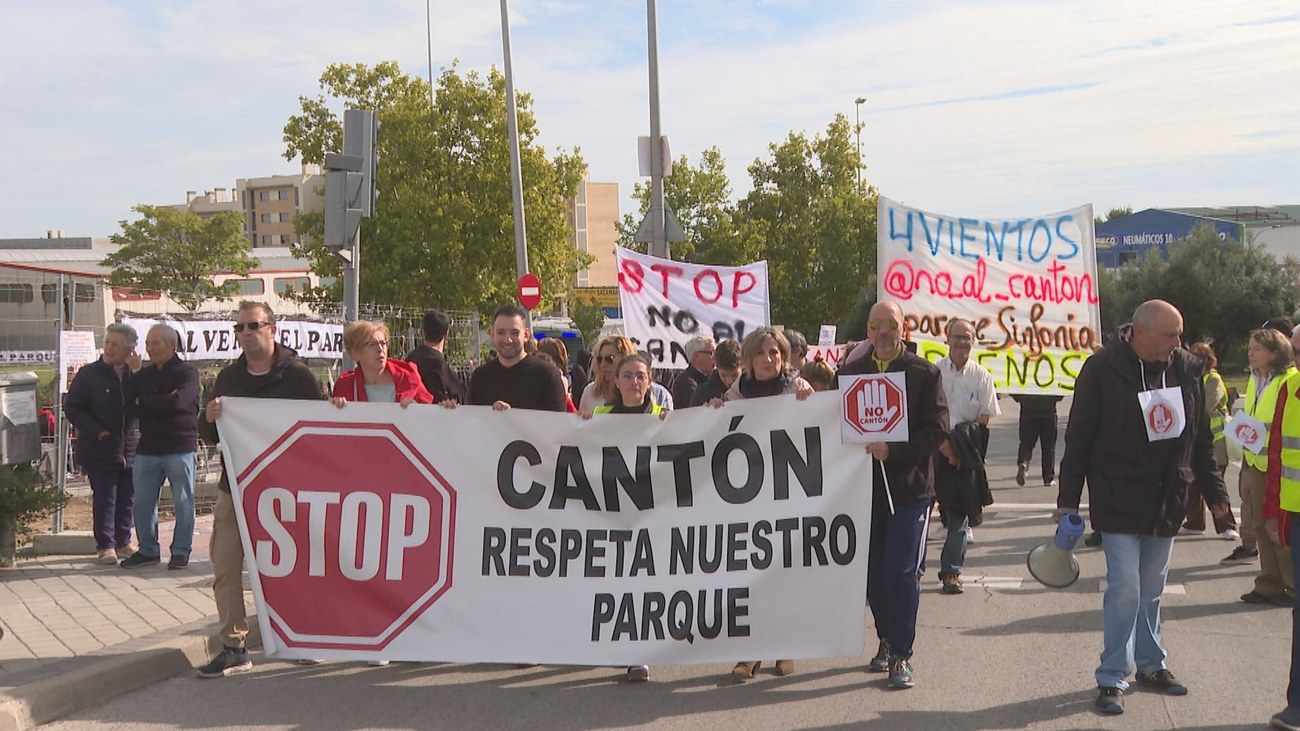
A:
[(1231, 534), (1050, 484), (970, 536), (1185, 531), (377, 663)]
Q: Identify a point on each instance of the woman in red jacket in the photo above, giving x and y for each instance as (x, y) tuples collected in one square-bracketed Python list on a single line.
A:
[(377, 377)]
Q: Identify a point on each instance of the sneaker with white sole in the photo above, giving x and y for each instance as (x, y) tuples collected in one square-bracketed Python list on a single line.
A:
[(900, 673), (1231, 534), (231, 660), (1242, 555)]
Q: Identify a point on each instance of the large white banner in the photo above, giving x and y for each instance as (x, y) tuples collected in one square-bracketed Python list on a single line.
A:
[(666, 303), (1028, 284), (215, 339), (469, 535)]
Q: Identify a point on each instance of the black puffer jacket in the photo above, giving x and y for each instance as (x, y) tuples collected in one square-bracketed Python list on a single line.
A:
[(1135, 486), (97, 402)]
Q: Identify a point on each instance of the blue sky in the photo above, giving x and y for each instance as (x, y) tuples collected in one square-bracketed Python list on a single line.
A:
[(983, 108)]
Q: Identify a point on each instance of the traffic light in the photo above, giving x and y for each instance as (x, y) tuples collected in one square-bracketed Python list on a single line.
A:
[(361, 139), (342, 217), (350, 180)]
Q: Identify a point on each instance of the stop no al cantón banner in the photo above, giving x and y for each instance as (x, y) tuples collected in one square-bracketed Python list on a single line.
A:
[(375, 532)]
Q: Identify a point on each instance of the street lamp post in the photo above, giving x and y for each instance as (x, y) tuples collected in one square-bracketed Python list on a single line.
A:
[(857, 126)]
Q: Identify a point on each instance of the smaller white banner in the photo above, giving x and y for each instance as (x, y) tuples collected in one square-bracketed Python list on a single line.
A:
[(1247, 431), (666, 303), (19, 407), (76, 349), (26, 357), (827, 335), (874, 408), (215, 339)]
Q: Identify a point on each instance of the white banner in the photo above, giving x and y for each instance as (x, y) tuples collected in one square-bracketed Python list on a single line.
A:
[(666, 303), (215, 339), (76, 349), (26, 357), (1029, 285), (468, 535)]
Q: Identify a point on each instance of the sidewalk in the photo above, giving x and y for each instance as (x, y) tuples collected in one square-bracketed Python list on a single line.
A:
[(77, 633)]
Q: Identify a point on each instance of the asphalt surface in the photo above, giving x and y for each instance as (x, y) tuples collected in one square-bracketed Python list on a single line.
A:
[(1008, 653)]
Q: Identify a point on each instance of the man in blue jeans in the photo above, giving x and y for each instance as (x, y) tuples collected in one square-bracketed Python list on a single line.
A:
[(166, 401), (1139, 433)]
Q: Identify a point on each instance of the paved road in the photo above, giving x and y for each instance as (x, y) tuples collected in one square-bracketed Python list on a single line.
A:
[(1006, 654)]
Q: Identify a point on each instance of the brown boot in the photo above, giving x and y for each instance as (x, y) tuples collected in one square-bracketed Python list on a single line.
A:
[(785, 667), (745, 670)]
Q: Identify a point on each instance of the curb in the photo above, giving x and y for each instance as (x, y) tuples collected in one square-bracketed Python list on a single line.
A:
[(28, 706)]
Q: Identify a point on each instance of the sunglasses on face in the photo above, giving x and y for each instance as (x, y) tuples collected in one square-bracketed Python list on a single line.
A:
[(886, 324), (606, 359), (255, 325)]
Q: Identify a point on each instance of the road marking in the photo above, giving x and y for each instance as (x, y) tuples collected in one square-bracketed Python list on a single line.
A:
[(997, 582)]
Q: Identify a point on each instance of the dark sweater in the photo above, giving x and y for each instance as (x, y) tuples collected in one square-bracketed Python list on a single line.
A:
[(529, 384), (166, 400), (438, 377)]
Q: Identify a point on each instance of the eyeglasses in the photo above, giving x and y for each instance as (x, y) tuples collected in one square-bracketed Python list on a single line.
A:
[(630, 377), (254, 326), (606, 359), (705, 352), (378, 344), (886, 324)]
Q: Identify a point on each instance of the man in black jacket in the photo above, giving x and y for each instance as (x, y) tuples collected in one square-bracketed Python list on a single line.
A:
[(727, 368), (165, 397), (699, 356), (1138, 433), (106, 439), (439, 379), (265, 370), (898, 535)]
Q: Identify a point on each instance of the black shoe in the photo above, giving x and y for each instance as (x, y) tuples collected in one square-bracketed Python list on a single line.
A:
[(1287, 720), (1254, 597), (1110, 701), (880, 663), (231, 660), (1093, 540), (1241, 555), (178, 562), (1284, 600), (1163, 681), (1020, 475), (136, 560)]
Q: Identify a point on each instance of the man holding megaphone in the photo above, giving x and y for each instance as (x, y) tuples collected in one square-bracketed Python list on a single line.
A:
[(1138, 430)]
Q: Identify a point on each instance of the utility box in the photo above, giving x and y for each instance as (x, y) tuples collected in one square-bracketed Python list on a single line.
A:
[(20, 432)]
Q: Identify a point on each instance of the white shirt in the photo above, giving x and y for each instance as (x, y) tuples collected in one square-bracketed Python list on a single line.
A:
[(970, 391)]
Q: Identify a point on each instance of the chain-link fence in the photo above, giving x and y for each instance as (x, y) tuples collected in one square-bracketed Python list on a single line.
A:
[(466, 343)]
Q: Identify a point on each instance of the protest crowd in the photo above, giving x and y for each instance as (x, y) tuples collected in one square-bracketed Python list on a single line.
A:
[(1151, 472)]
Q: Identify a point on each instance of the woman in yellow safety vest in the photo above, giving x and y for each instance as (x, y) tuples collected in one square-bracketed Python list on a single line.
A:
[(1216, 399), (1270, 366)]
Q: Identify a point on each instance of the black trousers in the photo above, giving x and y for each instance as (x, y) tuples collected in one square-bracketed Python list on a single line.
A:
[(1039, 428)]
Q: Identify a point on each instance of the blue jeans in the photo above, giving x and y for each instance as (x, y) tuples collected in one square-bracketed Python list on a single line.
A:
[(953, 554), (893, 564), (1136, 569), (150, 471)]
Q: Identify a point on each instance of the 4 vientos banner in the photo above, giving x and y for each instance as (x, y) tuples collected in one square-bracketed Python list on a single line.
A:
[(666, 303), (1029, 285), (376, 532)]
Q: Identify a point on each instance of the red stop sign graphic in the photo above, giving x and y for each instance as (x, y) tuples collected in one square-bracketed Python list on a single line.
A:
[(529, 291), (352, 533), (874, 406)]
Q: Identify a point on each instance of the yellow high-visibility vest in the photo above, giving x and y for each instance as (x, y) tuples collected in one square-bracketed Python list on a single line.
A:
[(1219, 410), (1289, 498), (1262, 409)]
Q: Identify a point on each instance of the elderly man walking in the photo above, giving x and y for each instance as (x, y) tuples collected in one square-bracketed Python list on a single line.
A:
[(1139, 433), (166, 400)]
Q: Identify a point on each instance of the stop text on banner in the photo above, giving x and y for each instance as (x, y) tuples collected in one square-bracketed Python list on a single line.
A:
[(666, 303)]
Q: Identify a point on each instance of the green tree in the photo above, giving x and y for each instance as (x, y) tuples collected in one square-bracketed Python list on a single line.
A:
[(177, 252), (588, 319), (701, 199), (442, 234), (1113, 214), (1224, 289), (808, 218)]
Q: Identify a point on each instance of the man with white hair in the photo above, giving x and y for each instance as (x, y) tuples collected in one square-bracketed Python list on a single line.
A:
[(166, 400), (699, 353)]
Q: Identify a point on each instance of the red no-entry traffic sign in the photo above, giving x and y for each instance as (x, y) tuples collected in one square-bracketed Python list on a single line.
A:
[(530, 290)]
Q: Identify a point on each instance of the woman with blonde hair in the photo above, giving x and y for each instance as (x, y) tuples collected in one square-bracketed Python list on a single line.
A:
[(377, 377), (602, 390)]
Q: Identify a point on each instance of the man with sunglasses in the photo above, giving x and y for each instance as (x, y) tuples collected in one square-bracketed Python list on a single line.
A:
[(903, 491), (513, 379), (265, 370), (699, 355)]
